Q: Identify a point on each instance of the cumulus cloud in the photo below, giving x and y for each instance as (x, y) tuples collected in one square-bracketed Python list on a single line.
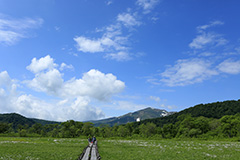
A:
[(93, 84), (12, 30), (230, 66), (50, 82), (147, 5), (81, 110), (87, 45), (42, 64), (4, 78), (188, 71), (72, 99)]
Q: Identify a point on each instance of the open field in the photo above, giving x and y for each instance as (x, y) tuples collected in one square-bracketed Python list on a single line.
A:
[(70, 148), (168, 150), (40, 148)]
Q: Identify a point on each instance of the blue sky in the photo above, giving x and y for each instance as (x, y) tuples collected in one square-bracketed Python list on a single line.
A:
[(93, 59)]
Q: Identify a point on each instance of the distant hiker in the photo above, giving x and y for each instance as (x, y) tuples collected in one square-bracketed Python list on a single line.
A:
[(89, 140), (94, 139)]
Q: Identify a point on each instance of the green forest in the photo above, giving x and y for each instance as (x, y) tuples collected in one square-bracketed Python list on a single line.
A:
[(215, 120)]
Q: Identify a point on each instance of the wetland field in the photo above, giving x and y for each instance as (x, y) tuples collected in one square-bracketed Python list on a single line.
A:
[(12, 148)]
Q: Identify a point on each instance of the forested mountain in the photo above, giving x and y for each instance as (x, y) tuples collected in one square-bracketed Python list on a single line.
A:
[(143, 114), (210, 110), (17, 119), (220, 119)]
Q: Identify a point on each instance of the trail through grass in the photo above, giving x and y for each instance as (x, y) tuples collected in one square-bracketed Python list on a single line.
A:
[(70, 148)]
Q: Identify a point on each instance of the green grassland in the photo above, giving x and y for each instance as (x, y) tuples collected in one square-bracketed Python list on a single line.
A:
[(40, 148), (16, 148), (168, 150)]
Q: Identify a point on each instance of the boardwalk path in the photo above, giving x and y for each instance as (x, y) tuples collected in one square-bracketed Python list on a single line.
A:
[(90, 153)]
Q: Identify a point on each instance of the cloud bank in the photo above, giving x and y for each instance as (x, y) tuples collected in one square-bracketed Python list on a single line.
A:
[(71, 99)]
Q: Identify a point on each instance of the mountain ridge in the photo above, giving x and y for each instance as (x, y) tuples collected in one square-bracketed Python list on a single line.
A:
[(146, 113)]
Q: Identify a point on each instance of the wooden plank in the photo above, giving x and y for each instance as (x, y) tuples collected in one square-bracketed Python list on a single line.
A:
[(93, 153), (86, 155)]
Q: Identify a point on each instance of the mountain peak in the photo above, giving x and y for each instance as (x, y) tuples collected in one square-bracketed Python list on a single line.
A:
[(146, 113)]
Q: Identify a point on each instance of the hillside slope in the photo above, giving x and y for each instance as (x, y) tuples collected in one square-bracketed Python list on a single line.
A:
[(17, 119), (210, 110), (143, 114)]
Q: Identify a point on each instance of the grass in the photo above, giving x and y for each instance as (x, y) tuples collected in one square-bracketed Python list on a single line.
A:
[(15, 148), (168, 150), (40, 148)]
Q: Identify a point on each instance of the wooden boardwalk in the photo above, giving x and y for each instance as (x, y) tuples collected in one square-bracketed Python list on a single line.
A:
[(90, 153)]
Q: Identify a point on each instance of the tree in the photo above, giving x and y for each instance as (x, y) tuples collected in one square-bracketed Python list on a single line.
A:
[(86, 129), (4, 127), (122, 131), (148, 129)]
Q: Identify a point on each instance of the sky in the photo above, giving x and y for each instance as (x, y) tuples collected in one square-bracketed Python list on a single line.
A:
[(94, 59)]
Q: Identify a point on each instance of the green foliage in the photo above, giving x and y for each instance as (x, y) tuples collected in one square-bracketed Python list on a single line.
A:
[(4, 127), (40, 148), (179, 125), (148, 129)]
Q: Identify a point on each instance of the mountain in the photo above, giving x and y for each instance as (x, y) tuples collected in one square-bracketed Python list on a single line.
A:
[(209, 110), (17, 119), (143, 114)]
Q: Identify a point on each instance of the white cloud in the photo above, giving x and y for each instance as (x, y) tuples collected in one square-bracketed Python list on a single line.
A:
[(187, 71), (128, 20), (42, 64), (207, 39), (9, 37), (12, 30), (65, 66), (229, 66), (167, 106), (147, 5), (87, 45), (71, 99), (195, 70), (4, 78), (114, 40), (108, 2), (156, 99), (212, 24), (128, 106), (82, 111), (50, 82), (93, 84), (7, 84), (120, 56)]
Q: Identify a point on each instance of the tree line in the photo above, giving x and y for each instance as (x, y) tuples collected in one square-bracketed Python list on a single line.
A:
[(186, 126)]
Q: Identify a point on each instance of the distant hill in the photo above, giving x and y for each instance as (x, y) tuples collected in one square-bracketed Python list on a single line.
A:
[(17, 119), (143, 114), (210, 110)]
